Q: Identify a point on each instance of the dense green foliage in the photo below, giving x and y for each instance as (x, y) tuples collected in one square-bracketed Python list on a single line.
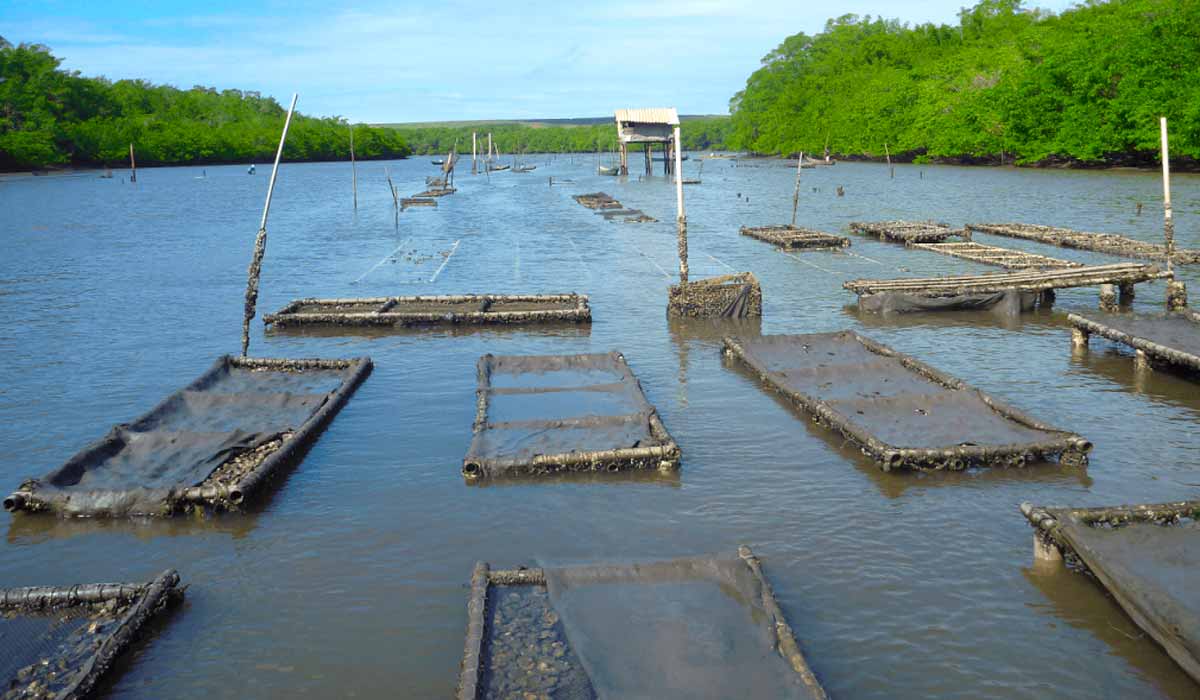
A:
[(50, 116), (1087, 86), (707, 133)]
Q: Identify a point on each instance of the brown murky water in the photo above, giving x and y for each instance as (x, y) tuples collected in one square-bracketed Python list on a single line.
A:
[(349, 580)]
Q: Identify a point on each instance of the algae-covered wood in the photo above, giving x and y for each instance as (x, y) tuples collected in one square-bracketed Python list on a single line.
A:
[(900, 411), (554, 413), (465, 309)]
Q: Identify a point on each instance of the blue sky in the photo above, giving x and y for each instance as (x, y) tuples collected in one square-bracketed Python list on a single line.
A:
[(442, 60)]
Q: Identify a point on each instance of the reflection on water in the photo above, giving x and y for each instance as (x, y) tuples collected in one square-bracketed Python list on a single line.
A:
[(347, 579)]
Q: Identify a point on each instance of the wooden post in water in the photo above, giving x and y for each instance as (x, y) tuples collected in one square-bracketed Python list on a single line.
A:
[(681, 218), (353, 168), (132, 165), (888, 153), (796, 194), (1176, 289), (474, 155), (395, 200), (260, 241)]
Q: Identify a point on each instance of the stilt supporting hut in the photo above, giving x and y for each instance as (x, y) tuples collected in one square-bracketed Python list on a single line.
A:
[(729, 296), (648, 127)]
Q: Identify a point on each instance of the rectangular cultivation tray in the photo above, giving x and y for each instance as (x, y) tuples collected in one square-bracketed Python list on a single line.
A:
[(553, 413), (435, 310), (900, 411), (212, 443)]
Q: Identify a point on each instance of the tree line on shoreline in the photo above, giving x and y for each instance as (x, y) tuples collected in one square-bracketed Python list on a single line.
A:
[(51, 117), (1007, 84)]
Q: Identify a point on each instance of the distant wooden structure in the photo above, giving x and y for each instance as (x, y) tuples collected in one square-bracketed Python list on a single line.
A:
[(647, 127)]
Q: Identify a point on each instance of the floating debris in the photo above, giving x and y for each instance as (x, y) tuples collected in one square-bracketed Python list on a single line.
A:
[(435, 310), (1146, 556), (212, 443), (900, 411), (551, 413), (796, 238), (1110, 243), (60, 642), (723, 635)]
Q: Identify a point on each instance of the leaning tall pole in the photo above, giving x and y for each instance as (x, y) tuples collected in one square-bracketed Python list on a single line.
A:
[(260, 241), (681, 217), (796, 194)]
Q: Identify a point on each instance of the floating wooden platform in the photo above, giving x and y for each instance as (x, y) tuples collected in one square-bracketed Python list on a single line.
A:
[(1032, 281), (907, 231), (734, 639), (1172, 339), (435, 192), (597, 200), (473, 309), (61, 642), (1147, 557), (900, 411), (611, 209), (552, 413), (212, 443), (995, 255), (1110, 243), (796, 238), (407, 202)]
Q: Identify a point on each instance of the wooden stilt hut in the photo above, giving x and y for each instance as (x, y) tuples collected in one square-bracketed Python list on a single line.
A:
[(648, 127)]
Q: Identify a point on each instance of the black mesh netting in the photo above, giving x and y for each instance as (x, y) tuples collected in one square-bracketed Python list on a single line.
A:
[(40, 652)]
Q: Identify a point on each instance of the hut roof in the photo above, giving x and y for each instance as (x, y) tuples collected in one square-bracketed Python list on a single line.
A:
[(651, 115)]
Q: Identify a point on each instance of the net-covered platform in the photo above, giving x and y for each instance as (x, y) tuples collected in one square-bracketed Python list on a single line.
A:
[(597, 200), (1146, 556), (1110, 243), (469, 309), (212, 443), (900, 411), (1172, 339), (435, 192), (552, 413), (407, 202), (992, 289), (611, 209), (59, 642), (729, 296), (686, 628), (907, 231), (995, 255), (796, 238)]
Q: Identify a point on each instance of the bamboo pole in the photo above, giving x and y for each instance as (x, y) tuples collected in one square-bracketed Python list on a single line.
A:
[(392, 188), (474, 154), (1168, 221), (888, 153), (796, 194), (353, 168), (681, 216), (132, 165), (260, 241)]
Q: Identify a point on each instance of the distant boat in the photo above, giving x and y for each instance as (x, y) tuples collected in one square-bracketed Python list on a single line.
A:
[(438, 161), (250, 170), (608, 170), (682, 156), (497, 168), (524, 168)]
